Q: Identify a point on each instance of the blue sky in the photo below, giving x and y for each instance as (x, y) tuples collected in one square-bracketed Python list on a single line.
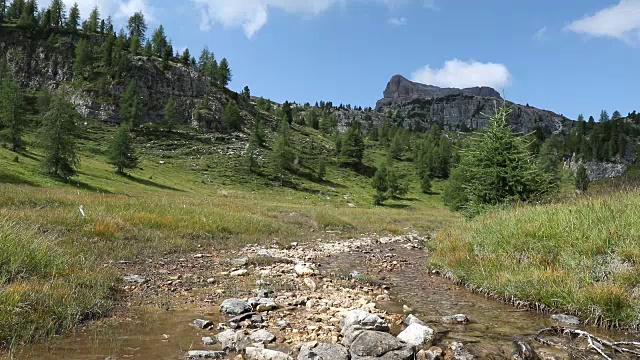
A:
[(569, 56)]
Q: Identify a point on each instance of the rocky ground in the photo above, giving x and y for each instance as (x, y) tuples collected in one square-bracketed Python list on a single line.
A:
[(285, 303)]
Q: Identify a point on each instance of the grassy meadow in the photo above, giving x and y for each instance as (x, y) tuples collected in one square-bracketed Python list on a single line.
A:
[(189, 190)]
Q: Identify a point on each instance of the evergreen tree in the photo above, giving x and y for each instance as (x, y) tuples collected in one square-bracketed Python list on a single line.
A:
[(131, 106), (258, 132), (168, 51), (282, 156), (186, 58), (58, 12), (137, 26), (328, 123), (616, 115), (396, 147), (3, 10), (246, 92), (94, 20), (73, 21), (425, 184), (287, 113), (231, 117), (82, 58), (15, 9), (12, 120), (106, 51), (170, 114), (28, 17), (251, 153), (496, 167), (159, 41), (148, 49), (135, 46), (379, 184), (580, 118), (313, 119), (224, 73), (604, 116), (550, 157), (582, 178), (56, 138), (352, 151), (122, 154), (322, 167)]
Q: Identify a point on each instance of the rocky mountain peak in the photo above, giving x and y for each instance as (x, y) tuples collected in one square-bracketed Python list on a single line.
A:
[(402, 90)]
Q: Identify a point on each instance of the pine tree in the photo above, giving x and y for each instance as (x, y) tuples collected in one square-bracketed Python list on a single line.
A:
[(352, 150), (159, 41), (616, 115), (137, 26), (131, 106), (122, 154), (604, 116), (287, 113), (82, 58), (58, 12), (496, 167), (224, 73), (258, 132), (12, 120), (313, 119), (73, 21), (246, 92), (3, 10), (582, 178), (425, 184), (15, 9), (94, 20), (396, 147), (282, 155), (186, 58), (168, 51), (322, 167), (170, 114), (148, 49), (56, 138), (28, 17), (135, 46), (251, 153), (231, 117), (379, 184)]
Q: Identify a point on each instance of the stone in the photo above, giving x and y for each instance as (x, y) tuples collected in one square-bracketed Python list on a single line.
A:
[(241, 272), (434, 353), (235, 307), (310, 284), (303, 270), (566, 319), (205, 354), (208, 341), (254, 353), (320, 351), (455, 319), (383, 298), (202, 324), (376, 344), (242, 317), (283, 324), (524, 351), (362, 320), (457, 351), (262, 336), (417, 335), (240, 261), (263, 304), (302, 301), (265, 293), (406, 309), (412, 319), (257, 319), (232, 340), (134, 279)]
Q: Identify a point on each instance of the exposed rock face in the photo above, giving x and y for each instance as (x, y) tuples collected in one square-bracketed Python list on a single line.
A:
[(401, 90), (46, 63)]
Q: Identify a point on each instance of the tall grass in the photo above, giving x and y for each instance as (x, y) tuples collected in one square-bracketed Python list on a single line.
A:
[(45, 290), (582, 257)]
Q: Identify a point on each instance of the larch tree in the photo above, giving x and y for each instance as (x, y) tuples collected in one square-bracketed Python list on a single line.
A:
[(137, 26), (57, 139), (122, 154), (170, 114), (12, 119), (73, 21)]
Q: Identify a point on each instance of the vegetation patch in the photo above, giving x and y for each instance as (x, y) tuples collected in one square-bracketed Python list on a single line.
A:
[(581, 257)]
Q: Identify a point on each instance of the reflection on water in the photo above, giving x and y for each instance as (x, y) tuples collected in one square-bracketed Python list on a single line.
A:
[(141, 334)]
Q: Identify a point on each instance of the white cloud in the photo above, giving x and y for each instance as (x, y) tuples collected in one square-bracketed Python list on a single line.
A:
[(620, 21), (464, 74), (541, 34), (117, 8), (252, 15), (431, 4), (397, 21)]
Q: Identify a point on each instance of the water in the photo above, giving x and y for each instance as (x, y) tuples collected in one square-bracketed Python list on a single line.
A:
[(144, 333)]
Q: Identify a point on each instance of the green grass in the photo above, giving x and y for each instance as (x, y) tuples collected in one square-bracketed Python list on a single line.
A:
[(582, 256), (200, 195)]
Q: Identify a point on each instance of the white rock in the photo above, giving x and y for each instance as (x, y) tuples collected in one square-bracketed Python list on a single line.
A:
[(254, 353), (241, 272), (417, 335), (303, 270), (310, 284)]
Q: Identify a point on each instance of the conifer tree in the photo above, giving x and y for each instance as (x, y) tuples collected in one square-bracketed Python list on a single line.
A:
[(73, 21), (231, 117), (313, 119), (582, 178), (224, 73), (425, 184), (3, 10), (186, 58), (396, 147), (246, 92), (58, 13), (287, 113), (322, 167), (170, 114), (258, 132), (57, 139), (135, 46), (282, 155), (496, 167), (352, 149), (137, 26), (159, 41), (251, 153), (122, 154), (82, 57), (94, 21), (28, 17), (12, 120), (379, 184), (616, 115), (604, 116), (15, 9), (131, 106)]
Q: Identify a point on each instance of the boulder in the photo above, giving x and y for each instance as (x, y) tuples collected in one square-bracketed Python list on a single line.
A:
[(253, 353), (262, 337), (362, 320), (411, 319), (376, 344), (208, 341), (263, 304), (417, 335), (232, 340), (235, 307), (321, 351), (434, 353), (202, 324)]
